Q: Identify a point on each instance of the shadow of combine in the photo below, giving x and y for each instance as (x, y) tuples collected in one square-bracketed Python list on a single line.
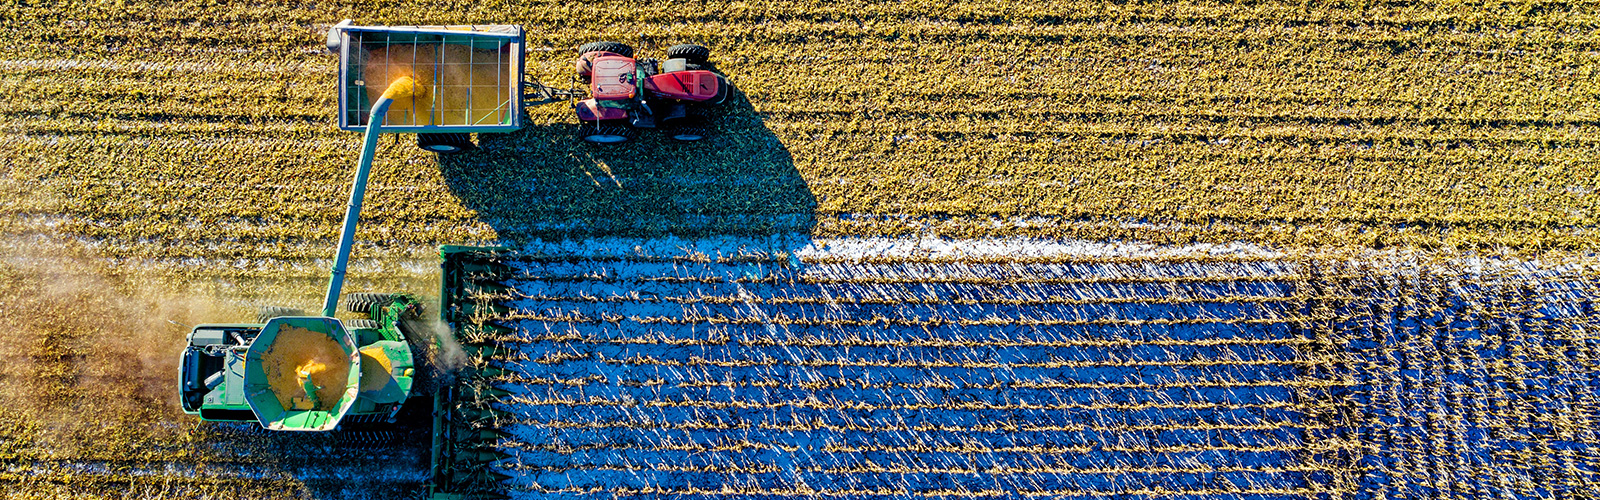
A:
[(544, 183)]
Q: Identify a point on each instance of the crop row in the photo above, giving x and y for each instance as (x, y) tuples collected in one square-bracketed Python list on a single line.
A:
[(886, 492), (851, 426)]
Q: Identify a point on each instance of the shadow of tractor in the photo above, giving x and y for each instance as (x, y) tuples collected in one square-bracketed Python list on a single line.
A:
[(545, 183)]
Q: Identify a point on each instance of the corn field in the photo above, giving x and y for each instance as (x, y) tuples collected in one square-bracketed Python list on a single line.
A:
[(931, 249)]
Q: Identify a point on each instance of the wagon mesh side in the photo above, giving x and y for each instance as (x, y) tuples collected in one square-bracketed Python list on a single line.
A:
[(471, 77)]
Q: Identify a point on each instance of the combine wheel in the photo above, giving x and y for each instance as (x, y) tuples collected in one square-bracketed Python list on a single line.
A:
[(605, 132), (356, 324), (269, 312), (445, 144), (620, 49), (362, 302), (694, 53)]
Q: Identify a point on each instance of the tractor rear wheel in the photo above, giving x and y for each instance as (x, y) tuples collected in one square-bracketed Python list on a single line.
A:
[(268, 312), (445, 144), (617, 48), (694, 53), (362, 303), (605, 132), (358, 324)]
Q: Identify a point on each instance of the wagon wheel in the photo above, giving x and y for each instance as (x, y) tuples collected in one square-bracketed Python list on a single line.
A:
[(445, 143)]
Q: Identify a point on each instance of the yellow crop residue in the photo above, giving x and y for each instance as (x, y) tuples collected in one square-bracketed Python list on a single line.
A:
[(299, 354)]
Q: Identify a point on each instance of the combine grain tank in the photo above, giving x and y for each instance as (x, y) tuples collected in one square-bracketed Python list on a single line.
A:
[(301, 374)]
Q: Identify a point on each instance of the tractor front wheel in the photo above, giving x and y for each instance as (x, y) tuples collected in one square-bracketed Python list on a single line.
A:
[(605, 132), (445, 144), (693, 53)]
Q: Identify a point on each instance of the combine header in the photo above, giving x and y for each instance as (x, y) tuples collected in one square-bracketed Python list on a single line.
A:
[(464, 418)]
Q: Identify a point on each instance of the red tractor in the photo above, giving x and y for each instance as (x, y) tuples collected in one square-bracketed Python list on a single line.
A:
[(628, 94)]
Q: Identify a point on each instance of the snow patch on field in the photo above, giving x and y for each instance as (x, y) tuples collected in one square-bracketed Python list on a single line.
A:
[(805, 246)]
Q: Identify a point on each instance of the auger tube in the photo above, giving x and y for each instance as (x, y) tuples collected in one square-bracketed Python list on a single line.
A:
[(400, 89)]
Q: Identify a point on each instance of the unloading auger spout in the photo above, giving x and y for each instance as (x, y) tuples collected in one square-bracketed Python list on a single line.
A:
[(402, 88)]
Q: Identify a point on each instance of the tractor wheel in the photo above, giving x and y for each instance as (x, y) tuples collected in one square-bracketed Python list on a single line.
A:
[(361, 303), (690, 129), (620, 49), (358, 324), (445, 144), (269, 312), (606, 132), (694, 53)]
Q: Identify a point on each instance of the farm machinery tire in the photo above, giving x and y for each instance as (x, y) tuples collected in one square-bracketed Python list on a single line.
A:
[(445, 144), (356, 324), (691, 129), (605, 132), (692, 53), (617, 48), (362, 303), (268, 312)]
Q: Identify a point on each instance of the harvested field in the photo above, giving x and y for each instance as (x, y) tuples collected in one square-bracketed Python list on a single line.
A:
[(1072, 249), (898, 372)]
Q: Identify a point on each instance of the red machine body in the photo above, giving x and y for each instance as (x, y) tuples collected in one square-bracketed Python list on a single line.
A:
[(628, 93), (592, 110), (694, 85), (612, 78)]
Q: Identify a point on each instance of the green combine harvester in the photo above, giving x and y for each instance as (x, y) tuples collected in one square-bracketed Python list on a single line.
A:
[(291, 371), (228, 369)]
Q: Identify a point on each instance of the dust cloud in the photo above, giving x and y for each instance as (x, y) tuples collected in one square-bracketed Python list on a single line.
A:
[(441, 352), (84, 348)]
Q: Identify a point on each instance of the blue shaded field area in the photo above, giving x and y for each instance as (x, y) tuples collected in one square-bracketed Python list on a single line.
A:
[(1475, 386), (1212, 378)]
